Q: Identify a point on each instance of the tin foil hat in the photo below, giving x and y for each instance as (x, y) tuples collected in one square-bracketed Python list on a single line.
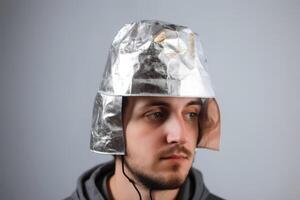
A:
[(152, 58)]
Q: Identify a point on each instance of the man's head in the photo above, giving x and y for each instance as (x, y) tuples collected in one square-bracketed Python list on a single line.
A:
[(147, 60), (161, 135)]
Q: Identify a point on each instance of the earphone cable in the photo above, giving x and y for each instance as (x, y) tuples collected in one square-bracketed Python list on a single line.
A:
[(131, 181)]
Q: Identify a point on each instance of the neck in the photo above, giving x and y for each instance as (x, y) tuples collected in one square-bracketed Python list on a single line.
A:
[(122, 189)]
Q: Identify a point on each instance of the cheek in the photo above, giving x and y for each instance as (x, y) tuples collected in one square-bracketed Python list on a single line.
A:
[(140, 147), (196, 137), (193, 134), (194, 129), (140, 138)]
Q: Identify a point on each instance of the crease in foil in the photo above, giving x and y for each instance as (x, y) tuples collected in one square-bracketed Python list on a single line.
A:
[(107, 134)]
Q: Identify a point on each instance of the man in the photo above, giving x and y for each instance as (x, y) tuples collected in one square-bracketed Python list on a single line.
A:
[(155, 106)]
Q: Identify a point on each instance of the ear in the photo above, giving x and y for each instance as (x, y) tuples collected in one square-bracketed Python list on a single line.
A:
[(210, 125)]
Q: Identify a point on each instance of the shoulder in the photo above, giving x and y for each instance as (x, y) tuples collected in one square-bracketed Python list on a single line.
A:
[(86, 183), (73, 196), (213, 197), (199, 176)]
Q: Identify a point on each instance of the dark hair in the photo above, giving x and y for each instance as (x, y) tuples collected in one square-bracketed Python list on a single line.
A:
[(124, 103)]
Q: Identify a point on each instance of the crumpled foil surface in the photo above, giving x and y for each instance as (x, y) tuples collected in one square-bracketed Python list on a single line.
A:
[(146, 58)]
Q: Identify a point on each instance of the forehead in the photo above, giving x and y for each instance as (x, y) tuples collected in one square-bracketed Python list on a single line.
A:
[(145, 101)]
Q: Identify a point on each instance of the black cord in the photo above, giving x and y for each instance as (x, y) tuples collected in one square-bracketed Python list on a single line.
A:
[(131, 181)]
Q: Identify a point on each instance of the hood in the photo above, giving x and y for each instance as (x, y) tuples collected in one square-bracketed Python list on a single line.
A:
[(91, 185)]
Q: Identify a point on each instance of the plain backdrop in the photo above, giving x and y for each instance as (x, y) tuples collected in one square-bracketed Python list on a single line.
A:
[(52, 55)]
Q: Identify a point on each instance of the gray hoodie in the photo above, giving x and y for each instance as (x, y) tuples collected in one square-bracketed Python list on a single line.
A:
[(91, 185)]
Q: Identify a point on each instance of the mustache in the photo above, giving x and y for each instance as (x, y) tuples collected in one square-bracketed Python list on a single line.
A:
[(177, 148)]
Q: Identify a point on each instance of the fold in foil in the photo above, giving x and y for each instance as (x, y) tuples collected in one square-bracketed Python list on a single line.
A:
[(150, 58)]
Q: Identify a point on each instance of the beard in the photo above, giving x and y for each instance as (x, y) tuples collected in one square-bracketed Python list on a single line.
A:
[(152, 180)]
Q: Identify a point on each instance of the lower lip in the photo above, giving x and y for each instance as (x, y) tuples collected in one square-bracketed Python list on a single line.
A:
[(174, 158)]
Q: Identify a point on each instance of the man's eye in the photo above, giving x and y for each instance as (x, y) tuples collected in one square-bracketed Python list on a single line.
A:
[(192, 115), (156, 116)]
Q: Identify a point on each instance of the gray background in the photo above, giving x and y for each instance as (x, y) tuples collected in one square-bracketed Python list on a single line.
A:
[(52, 58)]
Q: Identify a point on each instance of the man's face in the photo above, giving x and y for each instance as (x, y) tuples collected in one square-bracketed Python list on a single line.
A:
[(161, 136)]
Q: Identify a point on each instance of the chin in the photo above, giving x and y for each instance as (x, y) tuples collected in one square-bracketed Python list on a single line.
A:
[(165, 180), (168, 183), (177, 171)]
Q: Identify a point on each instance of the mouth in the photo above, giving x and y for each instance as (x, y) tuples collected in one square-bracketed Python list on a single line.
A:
[(176, 153), (175, 157)]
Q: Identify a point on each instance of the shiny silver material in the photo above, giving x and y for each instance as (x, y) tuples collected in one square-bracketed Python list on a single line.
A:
[(146, 58), (107, 131)]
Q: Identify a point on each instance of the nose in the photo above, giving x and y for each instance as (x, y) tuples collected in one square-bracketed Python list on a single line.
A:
[(175, 130)]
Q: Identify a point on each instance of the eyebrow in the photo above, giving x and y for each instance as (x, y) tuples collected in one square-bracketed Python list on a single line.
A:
[(155, 103), (194, 102), (164, 103)]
